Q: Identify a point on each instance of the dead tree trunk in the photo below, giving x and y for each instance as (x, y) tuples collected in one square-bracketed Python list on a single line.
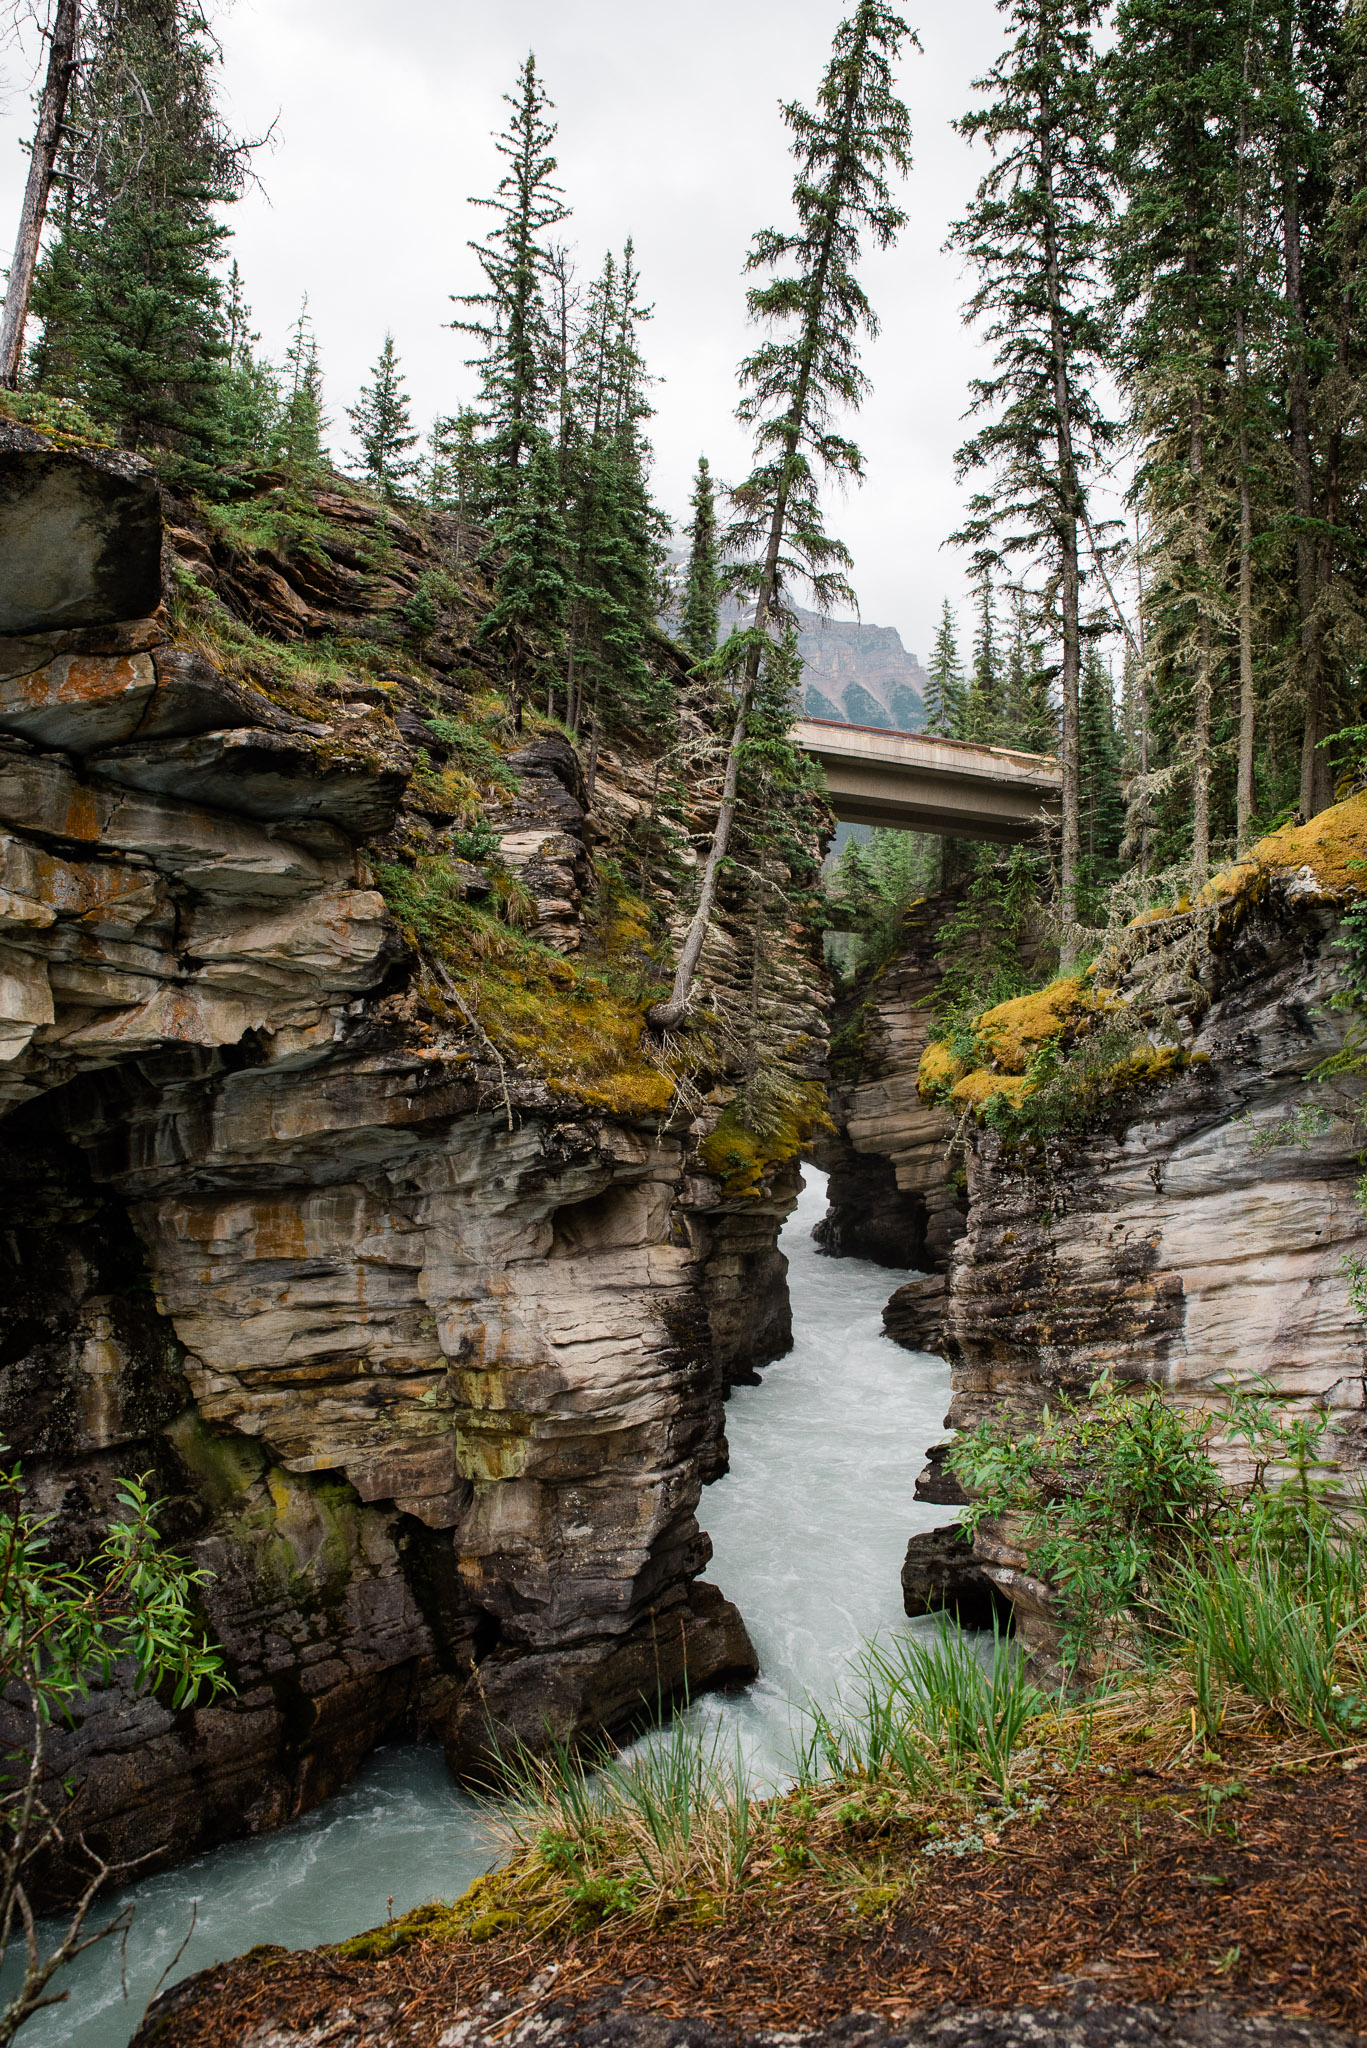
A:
[(61, 62)]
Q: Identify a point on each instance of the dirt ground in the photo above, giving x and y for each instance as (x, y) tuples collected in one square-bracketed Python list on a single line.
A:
[(1135, 1889)]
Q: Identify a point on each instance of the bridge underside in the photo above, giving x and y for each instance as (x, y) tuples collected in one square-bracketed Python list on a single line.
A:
[(919, 784)]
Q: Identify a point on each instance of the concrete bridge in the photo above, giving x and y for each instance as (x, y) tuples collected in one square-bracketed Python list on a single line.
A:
[(924, 784)]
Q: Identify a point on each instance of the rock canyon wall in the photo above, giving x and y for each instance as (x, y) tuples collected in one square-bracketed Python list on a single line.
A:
[(1184, 1219), (414, 1286)]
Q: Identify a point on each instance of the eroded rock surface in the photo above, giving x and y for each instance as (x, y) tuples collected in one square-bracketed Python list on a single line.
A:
[(425, 1351), (894, 1197)]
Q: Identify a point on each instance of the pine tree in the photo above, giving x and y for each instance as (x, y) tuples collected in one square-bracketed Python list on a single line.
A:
[(984, 718), (381, 423), (796, 379), (1103, 806), (249, 401), (615, 532), (1031, 718), (302, 420), (516, 359), (1033, 234), (457, 474), (702, 591), (128, 293), (531, 592), (944, 704)]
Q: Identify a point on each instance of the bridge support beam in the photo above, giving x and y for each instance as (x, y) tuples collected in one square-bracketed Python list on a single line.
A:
[(920, 784)]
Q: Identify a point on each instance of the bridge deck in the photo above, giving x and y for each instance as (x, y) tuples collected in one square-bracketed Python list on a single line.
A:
[(925, 784)]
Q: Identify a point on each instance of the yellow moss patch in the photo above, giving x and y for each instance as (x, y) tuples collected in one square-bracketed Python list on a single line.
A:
[(587, 1040), (976, 1088), (1015, 1031), (938, 1069), (742, 1159), (1327, 846)]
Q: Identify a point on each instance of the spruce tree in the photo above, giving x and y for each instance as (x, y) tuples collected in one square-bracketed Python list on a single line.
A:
[(846, 149), (1103, 806), (531, 591), (702, 590), (381, 423), (944, 703), (302, 420), (129, 292), (985, 712), (249, 399), (1033, 234), (615, 532), (1031, 717), (508, 318)]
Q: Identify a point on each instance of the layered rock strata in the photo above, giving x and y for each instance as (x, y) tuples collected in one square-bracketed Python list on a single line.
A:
[(1188, 1228), (894, 1196), (423, 1340)]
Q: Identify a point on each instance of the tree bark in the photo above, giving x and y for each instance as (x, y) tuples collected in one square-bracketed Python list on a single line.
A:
[(1200, 772), (1070, 582), (1314, 765), (46, 142), (1243, 789)]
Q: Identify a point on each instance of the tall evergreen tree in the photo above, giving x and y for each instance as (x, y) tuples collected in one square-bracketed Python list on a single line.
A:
[(1103, 806), (302, 419), (531, 590), (1033, 234), (944, 702), (129, 293), (702, 590), (985, 711), (615, 532), (798, 378), (382, 425), (508, 319), (1031, 718), (249, 400)]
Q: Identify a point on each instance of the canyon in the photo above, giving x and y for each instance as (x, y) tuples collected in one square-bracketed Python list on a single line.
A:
[(421, 1337)]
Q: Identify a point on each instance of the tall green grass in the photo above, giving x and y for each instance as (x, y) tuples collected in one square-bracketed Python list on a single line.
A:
[(924, 1711), (627, 1831)]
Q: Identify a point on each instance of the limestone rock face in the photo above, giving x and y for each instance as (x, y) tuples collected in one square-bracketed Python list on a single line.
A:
[(426, 1356), (80, 535), (1197, 1243), (893, 1197)]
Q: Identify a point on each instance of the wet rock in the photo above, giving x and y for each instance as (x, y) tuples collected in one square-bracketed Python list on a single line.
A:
[(939, 1575), (284, 778), (937, 1482), (80, 535), (914, 1315)]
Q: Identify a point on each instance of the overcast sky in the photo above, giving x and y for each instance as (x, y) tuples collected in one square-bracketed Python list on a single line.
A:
[(669, 132)]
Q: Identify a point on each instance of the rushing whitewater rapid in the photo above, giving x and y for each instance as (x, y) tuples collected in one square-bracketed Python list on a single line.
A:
[(808, 1527)]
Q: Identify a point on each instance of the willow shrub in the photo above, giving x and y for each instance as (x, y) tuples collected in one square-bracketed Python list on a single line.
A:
[(1260, 1590)]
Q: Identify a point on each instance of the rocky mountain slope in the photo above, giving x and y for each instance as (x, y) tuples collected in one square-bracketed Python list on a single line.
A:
[(344, 1189)]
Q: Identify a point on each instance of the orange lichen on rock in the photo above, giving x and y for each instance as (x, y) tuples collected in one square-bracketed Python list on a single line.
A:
[(1014, 1032)]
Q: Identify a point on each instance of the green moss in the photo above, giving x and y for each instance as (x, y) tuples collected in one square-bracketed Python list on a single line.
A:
[(783, 1114), (578, 1025), (61, 419)]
